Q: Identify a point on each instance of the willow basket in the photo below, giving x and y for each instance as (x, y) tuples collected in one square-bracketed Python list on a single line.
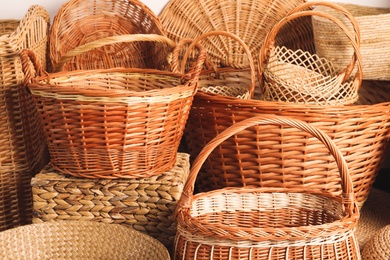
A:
[(248, 20), (331, 43), (145, 204), (114, 123), (79, 240), (81, 22), (299, 76), (300, 222)]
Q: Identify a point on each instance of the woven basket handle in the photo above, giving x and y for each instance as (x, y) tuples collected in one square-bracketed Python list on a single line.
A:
[(226, 34), (346, 181), (302, 11), (112, 40), (29, 58)]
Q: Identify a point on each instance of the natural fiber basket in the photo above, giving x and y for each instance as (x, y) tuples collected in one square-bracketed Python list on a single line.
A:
[(22, 141), (331, 43), (301, 222), (79, 22), (299, 76), (79, 240), (379, 246), (145, 204), (112, 123), (248, 20), (360, 131)]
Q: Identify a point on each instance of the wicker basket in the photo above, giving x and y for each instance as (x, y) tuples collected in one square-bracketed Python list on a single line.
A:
[(331, 43), (79, 22), (79, 240), (114, 123), (303, 222), (248, 20), (145, 204), (298, 76), (379, 246)]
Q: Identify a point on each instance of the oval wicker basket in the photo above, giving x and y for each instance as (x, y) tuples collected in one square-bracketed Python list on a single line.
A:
[(114, 123), (301, 222), (298, 76), (331, 43), (79, 240), (80, 22)]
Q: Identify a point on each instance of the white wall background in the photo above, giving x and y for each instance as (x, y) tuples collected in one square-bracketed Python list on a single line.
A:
[(17, 8)]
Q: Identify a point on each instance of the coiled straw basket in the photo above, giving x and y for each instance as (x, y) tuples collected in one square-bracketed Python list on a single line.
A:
[(300, 76), (79, 240), (275, 222), (122, 122), (79, 22), (359, 131)]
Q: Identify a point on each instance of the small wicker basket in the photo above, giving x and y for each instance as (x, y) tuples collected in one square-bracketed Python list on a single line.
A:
[(80, 22), (79, 240), (114, 123), (299, 76), (267, 223)]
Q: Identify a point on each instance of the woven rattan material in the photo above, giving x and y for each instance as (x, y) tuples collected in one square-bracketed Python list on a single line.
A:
[(332, 44), (267, 223), (299, 76), (145, 204), (79, 240), (81, 22), (379, 246), (248, 20), (114, 123)]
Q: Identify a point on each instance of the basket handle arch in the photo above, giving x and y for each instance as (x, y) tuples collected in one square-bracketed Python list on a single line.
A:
[(301, 11), (346, 181), (128, 38), (203, 36)]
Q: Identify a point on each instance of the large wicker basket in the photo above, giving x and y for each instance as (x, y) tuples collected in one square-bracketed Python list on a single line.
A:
[(331, 43), (79, 240), (300, 222), (79, 22), (291, 75), (122, 122)]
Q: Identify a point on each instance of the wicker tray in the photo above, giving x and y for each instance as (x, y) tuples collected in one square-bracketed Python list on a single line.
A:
[(146, 204)]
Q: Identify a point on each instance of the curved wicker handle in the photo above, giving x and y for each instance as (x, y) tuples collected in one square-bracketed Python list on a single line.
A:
[(111, 40), (302, 11), (346, 181), (27, 56), (233, 36)]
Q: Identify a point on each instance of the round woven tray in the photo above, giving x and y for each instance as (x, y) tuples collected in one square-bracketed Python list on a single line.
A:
[(78, 240), (379, 246)]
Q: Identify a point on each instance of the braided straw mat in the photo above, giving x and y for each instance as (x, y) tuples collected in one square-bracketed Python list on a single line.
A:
[(375, 215)]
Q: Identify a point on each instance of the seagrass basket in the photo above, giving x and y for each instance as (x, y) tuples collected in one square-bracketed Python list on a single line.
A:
[(300, 222), (360, 131), (79, 240), (331, 43), (79, 22), (291, 75), (121, 122), (379, 245)]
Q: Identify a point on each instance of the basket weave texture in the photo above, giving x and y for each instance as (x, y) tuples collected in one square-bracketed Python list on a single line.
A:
[(379, 245), (331, 43), (22, 143), (113, 123), (301, 222), (145, 204), (298, 76), (79, 240), (81, 22)]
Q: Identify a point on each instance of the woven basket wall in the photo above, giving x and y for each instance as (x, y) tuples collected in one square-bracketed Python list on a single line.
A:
[(146, 204)]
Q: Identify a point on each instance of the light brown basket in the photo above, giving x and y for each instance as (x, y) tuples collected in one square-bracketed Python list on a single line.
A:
[(301, 222), (248, 20), (112, 123), (378, 248), (145, 204), (79, 240), (331, 43), (79, 22), (299, 76), (22, 143)]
